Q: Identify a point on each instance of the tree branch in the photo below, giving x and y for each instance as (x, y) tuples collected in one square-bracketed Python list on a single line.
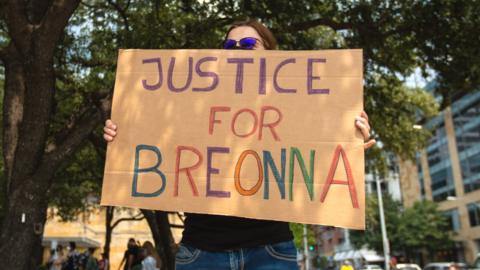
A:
[(180, 216), (137, 217), (17, 23), (122, 12), (54, 23), (3, 54), (99, 145), (90, 62), (78, 133), (317, 22)]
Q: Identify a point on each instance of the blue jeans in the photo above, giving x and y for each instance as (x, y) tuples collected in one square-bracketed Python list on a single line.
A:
[(281, 256)]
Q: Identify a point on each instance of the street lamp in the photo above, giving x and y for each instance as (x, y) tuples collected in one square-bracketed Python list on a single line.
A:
[(386, 245), (305, 247)]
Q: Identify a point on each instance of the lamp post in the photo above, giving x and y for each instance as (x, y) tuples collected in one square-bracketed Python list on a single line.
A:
[(386, 245), (305, 248)]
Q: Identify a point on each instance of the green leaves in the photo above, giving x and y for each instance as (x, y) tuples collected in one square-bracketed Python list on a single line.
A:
[(397, 37), (421, 226)]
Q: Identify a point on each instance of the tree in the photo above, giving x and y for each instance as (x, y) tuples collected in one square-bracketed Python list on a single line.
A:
[(413, 230), (431, 229), (31, 153), (372, 236), (110, 226), (59, 59)]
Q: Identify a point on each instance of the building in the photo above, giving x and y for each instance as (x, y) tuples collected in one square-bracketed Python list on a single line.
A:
[(448, 172), (89, 231), (335, 242)]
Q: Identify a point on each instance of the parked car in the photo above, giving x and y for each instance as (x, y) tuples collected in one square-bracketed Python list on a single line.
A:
[(445, 266), (371, 267), (408, 266), (476, 264)]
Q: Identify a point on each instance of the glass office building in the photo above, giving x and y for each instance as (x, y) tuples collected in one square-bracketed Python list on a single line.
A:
[(448, 171)]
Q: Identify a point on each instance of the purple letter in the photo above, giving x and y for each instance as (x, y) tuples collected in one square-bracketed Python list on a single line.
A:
[(206, 74), (275, 74), (263, 72), (156, 86), (310, 77), (170, 75), (239, 79), (211, 170)]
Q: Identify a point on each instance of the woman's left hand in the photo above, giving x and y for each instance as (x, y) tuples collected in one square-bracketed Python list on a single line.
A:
[(361, 122)]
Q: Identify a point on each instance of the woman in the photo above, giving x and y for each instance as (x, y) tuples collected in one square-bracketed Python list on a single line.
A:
[(58, 258), (152, 260), (225, 242)]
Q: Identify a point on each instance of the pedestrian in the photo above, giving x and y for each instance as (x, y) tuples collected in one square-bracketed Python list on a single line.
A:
[(131, 258), (347, 265), (57, 259), (393, 263), (152, 260), (91, 261), (73, 257), (227, 242), (103, 263)]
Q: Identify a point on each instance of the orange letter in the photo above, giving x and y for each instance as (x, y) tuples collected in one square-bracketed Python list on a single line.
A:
[(238, 168), (186, 169), (333, 167), (255, 122), (269, 125), (213, 110)]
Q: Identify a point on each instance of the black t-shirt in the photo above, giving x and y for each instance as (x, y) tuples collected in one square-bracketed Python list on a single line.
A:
[(135, 252), (219, 233)]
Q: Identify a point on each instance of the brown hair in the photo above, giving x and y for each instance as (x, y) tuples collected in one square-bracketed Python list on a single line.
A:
[(150, 249), (268, 39)]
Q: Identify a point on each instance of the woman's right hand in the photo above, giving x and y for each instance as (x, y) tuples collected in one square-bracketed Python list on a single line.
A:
[(109, 130)]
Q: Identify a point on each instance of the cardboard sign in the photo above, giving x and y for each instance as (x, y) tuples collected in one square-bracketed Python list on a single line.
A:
[(258, 134)]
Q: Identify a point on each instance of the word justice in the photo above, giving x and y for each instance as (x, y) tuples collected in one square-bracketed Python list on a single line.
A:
[(265, 164), (241, 64)]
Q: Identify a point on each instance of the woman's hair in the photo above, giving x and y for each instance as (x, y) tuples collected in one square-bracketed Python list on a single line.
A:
[(151, 251), (268, 39)]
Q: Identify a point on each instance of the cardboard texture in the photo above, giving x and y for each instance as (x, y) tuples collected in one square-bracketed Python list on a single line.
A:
[(258, 134)]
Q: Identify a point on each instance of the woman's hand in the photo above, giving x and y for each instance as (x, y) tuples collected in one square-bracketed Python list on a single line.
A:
[(109, 131), (361, 122)]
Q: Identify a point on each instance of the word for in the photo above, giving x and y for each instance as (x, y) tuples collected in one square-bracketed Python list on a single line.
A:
[(263, 165), (258, 122), (241, 64)]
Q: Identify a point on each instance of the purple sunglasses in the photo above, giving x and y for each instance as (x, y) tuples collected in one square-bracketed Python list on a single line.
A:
[(246, 43)]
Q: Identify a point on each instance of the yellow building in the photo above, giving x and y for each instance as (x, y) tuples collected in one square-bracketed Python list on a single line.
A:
[(89, 231)]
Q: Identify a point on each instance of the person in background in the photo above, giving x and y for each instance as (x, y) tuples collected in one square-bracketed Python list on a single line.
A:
[(347, 265), (58, 258), (73, 257), (393, 263), (51, 258), (91, 261), (131, 258), (103, 263), (228, 242), (151, 259)]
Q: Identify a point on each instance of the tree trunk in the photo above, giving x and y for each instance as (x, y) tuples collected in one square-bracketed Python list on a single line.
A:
[(109, 211), (34, 33), (22, 229), (162, 236)]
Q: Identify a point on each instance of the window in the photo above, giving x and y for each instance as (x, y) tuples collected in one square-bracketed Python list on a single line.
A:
[(420, 175), (474, 213), (442, 184), (471, 172), (467, 133), (453, 219), (437, 150)]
